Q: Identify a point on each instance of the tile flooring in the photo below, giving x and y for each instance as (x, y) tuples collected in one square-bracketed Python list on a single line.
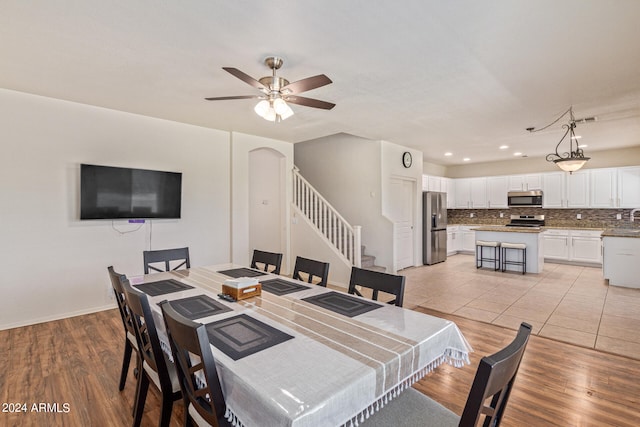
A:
[(568, 303)]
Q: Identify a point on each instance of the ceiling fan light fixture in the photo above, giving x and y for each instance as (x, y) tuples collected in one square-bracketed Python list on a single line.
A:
[(270, 115), (262, 108), (280, 106), (287, 112)]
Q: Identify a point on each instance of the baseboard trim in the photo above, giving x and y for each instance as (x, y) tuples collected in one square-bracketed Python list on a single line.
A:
[(57, 317)]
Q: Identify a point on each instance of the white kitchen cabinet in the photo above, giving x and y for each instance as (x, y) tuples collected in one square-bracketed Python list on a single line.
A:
[(564, 190), (577, 189), (453, 240), (497, 188), (468, 243), (604, 188), (621, 264), (581, 246), (471, 193), (585, 246), (629, 187), (463, 193), (434, 183), (525, 182), (553, 189), (446, 185), (556, 244), (441, 184)]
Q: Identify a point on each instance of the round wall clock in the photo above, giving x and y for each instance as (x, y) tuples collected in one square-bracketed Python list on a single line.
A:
[(407, 160)]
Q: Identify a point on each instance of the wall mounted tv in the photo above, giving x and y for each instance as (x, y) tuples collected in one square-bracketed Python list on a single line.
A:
[(121, 193)]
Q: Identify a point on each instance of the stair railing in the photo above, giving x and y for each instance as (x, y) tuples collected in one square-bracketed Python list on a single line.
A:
[(342, 235)]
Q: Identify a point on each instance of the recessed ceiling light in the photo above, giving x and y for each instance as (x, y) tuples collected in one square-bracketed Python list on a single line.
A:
[(517, 154), (582, 145), (466, 159), (504, 147), (576, 137), (448, 154)]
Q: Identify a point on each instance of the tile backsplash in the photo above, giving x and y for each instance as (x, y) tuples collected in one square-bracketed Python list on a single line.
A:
[(591, 218)]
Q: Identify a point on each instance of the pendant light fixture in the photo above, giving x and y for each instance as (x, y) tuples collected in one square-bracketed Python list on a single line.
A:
[(574, 159)]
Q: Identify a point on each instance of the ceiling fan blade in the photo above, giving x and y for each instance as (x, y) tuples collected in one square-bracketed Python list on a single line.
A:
[(309, 102), (245, 78), (306, 84), (226, 98)]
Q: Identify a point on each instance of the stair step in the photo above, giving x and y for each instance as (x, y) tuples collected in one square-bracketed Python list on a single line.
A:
[(379, 268), (367, 261)]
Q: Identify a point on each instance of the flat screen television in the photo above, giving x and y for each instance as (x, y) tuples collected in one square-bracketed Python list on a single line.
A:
[(108, 192)]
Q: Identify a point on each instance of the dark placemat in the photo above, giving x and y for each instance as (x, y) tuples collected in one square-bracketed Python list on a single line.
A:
[(242, 272), (344, 304), (282, 287), (241, 336), (162, 287), (198, 307)]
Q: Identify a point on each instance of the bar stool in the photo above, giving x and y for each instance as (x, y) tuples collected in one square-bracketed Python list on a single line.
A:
[(480, 258), (515, 246)]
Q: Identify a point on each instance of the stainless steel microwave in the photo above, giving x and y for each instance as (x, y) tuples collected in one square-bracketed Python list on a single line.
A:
[(525, 198)]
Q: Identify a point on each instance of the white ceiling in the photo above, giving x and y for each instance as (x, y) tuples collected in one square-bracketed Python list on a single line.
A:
[(464, 76)]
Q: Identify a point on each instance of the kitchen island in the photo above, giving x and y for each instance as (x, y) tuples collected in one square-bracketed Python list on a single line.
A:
[(621, 257), (530, 236)]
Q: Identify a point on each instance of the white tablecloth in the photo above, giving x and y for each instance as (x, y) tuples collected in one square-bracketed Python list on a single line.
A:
[(335, 370)]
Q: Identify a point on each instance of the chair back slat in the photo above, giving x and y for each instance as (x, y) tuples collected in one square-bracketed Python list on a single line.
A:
[(189, 340), (160, 260), (269, 259), (377, 281), (313, 268), (147, 334), (117, 281), (494, 380)]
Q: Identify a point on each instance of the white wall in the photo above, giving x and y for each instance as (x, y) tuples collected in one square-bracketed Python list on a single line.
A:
[(353, 173), (54, 265), (266, 198), (392, 167), (241, 147)]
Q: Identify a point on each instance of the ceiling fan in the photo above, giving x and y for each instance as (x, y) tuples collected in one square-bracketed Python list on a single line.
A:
[(277, 92)]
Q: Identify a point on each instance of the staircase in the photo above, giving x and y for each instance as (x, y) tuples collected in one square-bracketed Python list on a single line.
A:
[(336, 231), (369, 262)]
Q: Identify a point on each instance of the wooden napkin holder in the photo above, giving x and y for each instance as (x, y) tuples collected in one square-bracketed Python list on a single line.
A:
[(242, 288)]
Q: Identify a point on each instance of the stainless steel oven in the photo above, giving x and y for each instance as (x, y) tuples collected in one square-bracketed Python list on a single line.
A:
[(525, 198)]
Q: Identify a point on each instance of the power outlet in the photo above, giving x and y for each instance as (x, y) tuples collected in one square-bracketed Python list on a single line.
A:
[(501, 214), (471, 215), (618, 216), (579, 216)]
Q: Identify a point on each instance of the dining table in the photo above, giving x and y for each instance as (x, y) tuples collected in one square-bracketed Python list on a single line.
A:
[(303, 355)]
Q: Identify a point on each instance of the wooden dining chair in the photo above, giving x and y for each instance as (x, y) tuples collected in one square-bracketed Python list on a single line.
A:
[(130, 342), (203, 398), (157, 369), (494, 380), (269, 259), (313, 269), (377, 281), (160, 260)]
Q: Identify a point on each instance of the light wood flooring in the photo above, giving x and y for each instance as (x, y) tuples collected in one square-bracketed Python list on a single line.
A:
[(76, 361), (569, 303)]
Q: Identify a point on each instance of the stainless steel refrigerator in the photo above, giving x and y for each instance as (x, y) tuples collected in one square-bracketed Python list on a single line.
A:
[(434, 227)]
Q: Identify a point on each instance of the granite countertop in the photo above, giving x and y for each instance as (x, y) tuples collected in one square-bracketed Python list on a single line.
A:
[(622, 232), (505, 229)]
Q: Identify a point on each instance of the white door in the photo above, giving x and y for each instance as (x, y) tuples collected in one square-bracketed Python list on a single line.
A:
[(401, 208)]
